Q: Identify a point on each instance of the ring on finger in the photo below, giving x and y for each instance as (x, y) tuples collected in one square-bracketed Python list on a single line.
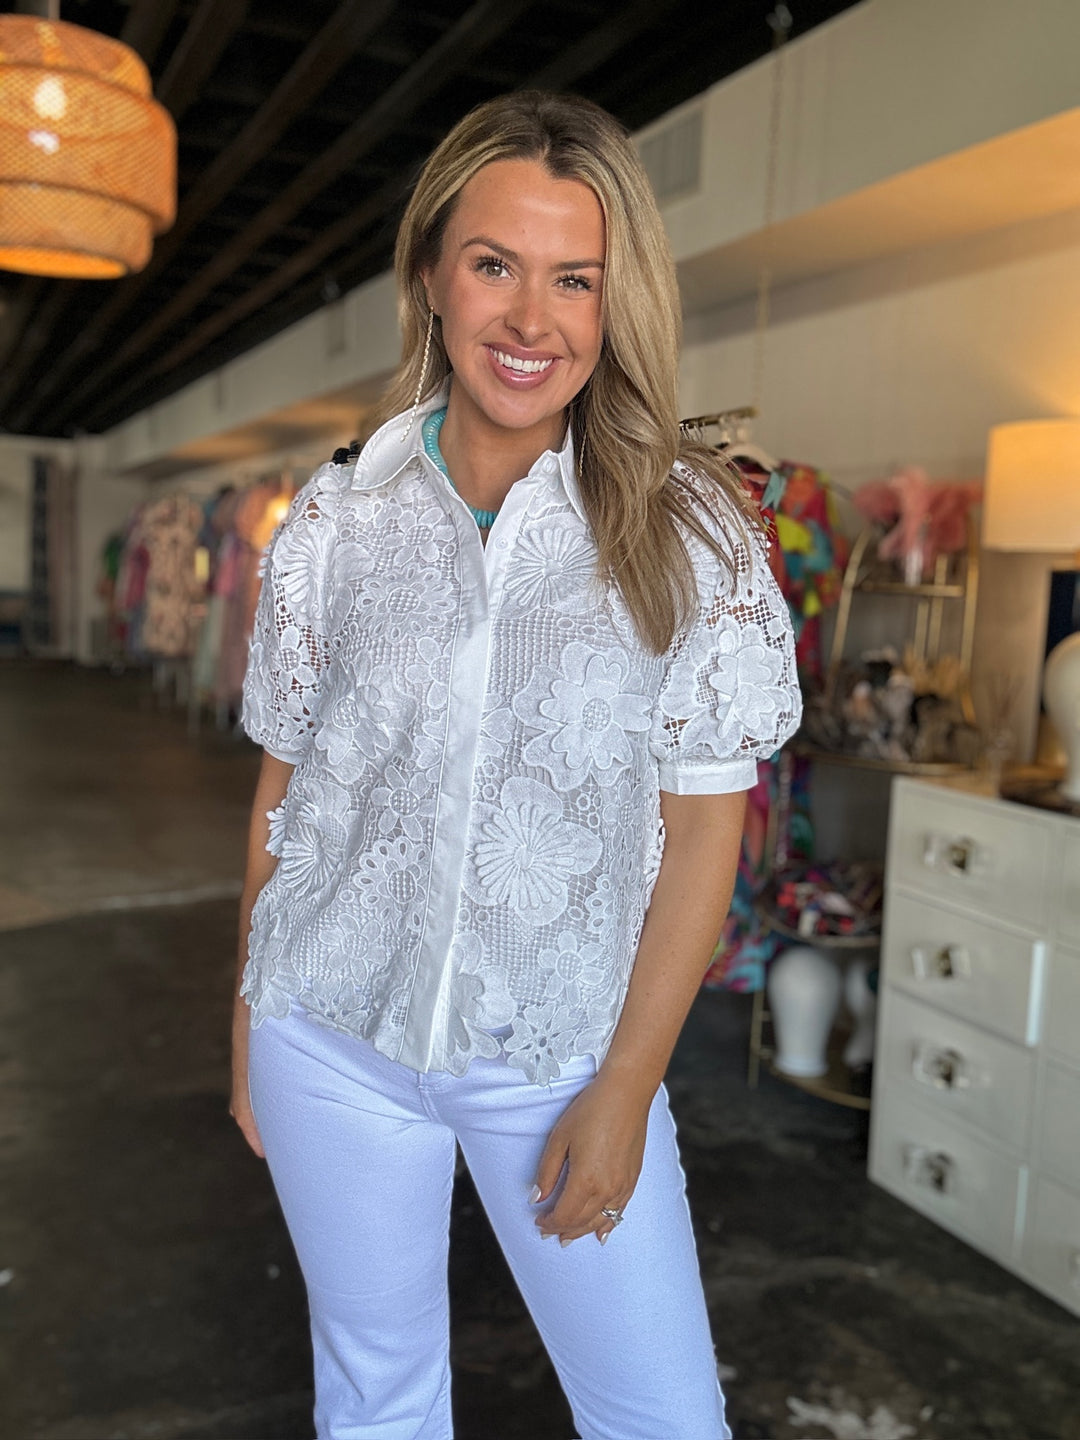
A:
[(614, 1215)]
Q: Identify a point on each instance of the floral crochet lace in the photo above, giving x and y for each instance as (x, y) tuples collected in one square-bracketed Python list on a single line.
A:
[(472, 831)]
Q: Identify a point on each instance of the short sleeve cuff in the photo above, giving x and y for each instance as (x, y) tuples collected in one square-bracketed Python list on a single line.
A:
[(267, 739), (724, 778), (283, 756)]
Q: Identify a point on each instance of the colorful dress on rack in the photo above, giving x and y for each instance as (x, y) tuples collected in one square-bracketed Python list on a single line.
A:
[(807, 556)]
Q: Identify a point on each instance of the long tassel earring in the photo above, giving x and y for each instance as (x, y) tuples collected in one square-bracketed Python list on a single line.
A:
[(423, 372)]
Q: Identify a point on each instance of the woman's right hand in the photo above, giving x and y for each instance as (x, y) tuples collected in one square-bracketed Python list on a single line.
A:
[(240, 1102)]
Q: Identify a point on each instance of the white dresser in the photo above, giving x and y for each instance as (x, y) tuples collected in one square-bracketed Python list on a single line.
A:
[(976, 1105)]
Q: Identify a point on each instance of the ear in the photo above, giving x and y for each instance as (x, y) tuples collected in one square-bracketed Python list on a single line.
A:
[(427, 276)]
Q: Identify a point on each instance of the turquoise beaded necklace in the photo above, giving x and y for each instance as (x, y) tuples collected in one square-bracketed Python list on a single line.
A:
[(430, 433)]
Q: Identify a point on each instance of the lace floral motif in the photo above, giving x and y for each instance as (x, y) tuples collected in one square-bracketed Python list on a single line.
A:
[(471, 833), (525, 853), (584, 714)]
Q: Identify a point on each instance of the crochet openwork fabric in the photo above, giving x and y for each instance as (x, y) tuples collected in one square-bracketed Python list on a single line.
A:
[(472, 831)]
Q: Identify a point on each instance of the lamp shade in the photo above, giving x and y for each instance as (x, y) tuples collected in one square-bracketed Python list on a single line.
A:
[(87, 156), (1031, 498)]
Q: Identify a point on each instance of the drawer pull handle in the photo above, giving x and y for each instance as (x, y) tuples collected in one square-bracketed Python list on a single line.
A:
[(929, 1169), (943, 1068), (951, 855), (948, 962)]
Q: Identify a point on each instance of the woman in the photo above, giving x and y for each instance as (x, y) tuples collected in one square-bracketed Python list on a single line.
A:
[(511, 672)]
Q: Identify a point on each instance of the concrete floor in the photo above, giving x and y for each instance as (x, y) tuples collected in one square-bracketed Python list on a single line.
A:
[(147, 1287)]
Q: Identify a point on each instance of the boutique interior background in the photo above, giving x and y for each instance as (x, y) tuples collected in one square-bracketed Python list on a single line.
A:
[(923, 238)]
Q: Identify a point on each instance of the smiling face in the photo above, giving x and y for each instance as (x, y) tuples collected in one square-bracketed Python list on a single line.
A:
[(518, 288)]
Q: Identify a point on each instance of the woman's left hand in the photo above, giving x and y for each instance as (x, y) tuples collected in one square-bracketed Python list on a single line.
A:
[(600, 1137)]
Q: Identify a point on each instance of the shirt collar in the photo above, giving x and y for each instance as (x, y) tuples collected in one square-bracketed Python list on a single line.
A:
[(390, 450)]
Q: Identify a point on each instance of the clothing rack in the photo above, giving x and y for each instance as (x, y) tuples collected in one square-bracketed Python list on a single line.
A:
[(732, 424)]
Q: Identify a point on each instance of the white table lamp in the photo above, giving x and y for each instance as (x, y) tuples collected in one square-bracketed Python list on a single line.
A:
[(1032, 504)]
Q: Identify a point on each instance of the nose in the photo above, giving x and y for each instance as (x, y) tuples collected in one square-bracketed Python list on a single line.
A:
[(527, 314)]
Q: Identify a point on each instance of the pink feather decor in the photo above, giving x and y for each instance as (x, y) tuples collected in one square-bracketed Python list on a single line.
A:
[(923, 518)]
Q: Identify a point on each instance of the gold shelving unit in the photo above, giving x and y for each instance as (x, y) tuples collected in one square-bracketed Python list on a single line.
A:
[(955, 581)]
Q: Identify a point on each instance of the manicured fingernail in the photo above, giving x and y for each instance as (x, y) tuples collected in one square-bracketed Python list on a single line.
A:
[(534, 1194), (565, 1241), (604, 1237)]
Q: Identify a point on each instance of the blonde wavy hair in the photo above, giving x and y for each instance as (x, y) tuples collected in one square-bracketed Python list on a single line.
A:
[(641, 502)]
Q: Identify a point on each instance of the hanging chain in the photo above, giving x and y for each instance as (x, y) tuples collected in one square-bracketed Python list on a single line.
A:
[(780, 22)]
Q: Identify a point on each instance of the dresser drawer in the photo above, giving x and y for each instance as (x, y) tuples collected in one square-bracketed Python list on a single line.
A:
[(1069, 911), (991, 858), (1051, 1255), (948, 960), (954, 1068), (1062, 1027), (1058, 1127), (959, 1182)]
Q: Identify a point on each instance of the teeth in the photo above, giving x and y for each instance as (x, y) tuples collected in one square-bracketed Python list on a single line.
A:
[(527, 367)]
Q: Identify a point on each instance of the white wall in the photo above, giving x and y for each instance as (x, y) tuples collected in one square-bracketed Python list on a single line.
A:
[(882, 88), (16, 480)]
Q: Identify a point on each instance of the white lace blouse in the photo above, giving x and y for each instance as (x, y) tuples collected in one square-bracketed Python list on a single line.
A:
[(472, 831)]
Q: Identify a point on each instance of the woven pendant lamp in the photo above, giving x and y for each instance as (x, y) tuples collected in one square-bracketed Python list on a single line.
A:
[(87, 156)]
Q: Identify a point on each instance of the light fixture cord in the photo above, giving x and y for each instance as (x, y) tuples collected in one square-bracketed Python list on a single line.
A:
[(780, 22)]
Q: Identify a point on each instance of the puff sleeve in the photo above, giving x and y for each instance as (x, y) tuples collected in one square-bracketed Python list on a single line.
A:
[(731, 693), (290, 645)]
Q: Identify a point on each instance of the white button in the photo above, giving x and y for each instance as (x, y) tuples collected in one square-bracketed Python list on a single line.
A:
[(501, 544)]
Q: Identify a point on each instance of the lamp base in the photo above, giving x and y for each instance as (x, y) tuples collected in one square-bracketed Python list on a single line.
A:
[(1061, 695)]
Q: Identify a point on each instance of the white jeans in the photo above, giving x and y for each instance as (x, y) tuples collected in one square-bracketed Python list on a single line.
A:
[(361, 1150)]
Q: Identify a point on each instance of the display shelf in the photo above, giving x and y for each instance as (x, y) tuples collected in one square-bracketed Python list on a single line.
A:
[(868, 940), (928, 768), (925, 590), (955, 579), (840, 1085)]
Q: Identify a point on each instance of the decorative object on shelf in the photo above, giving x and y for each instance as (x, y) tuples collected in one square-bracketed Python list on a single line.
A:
[(911, 712), (804, 988), (1033, 506), (860, 997), (839, 901), (927, 518), (87, 156), (898, 710), (837, 932)]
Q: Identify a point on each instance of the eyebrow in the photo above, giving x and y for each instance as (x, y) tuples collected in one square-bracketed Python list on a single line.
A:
[(514, 257)]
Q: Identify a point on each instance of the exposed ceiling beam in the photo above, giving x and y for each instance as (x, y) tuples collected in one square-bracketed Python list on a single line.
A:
[(481, 23), (201, 46), (146, 26), (38, 316), (600, 43), (302, 263), (343, 34)]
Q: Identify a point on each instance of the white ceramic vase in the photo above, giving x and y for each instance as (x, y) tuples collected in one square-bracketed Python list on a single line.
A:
[(862, 1004), (1061, 692), (804, 995)]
